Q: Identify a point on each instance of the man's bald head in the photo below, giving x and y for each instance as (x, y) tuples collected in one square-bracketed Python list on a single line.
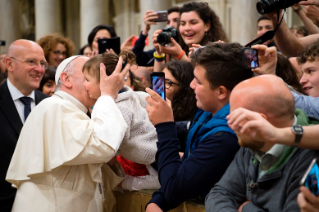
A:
[(266, 94), (25, 63), (19, 47)]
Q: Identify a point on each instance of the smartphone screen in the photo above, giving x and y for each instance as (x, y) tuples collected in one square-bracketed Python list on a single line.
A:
[(109, 43), (158, 83), (162, 16), (250, 58), (311, 177)]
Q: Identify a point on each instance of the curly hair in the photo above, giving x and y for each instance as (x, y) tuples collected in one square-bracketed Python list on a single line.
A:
[(109, 59), (208, 16), (311, 53), (49, 42), (184, 101)]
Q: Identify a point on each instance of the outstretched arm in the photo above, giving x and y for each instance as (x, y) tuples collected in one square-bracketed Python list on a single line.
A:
[(252, 124), (286, 41)]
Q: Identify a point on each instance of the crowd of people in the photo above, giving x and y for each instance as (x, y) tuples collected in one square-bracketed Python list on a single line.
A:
[(237, 131)]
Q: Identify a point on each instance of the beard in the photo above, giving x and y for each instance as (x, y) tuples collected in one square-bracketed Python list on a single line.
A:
[(252, 144)]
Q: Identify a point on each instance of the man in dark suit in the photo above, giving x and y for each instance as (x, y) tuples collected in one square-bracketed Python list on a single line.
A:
[(26, 65)]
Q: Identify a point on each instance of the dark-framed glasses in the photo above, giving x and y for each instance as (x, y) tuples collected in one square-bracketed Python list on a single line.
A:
[(33, 62), (169, 83)]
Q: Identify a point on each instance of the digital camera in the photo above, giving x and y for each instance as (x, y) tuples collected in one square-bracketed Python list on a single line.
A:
[(165, 36), (268, 6)]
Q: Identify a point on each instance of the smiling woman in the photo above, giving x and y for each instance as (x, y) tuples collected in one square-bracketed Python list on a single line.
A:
[(56, 48)]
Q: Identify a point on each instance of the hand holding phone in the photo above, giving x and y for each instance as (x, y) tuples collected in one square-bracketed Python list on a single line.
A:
[(311, 177), (161, 16), (250, 58), (158, 83), (109, 43)]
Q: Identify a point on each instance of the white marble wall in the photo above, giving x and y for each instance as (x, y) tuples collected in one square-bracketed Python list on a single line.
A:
[(9, 22), (92, 13), (47, 17)]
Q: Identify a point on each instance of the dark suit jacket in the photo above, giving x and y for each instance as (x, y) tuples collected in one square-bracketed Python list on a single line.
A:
[(10, 127)]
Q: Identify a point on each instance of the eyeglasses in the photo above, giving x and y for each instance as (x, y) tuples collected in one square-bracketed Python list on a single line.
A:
[(33, 62), (169, 83), (57, 52)]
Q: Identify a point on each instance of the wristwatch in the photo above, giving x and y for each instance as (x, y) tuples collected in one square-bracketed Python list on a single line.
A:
[(298, 131)]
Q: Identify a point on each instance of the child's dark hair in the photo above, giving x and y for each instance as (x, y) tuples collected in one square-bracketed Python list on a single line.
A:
[(109, 59), (48, 75)]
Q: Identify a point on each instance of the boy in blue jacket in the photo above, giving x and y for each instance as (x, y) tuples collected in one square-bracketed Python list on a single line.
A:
[(211, 144)]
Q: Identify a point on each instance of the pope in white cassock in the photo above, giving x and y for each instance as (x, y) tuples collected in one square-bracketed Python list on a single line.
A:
[(60, 159)]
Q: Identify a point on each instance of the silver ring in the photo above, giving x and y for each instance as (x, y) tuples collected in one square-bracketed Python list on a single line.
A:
[(125, 78)]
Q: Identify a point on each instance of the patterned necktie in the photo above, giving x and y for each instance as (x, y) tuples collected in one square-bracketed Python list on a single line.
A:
[(27, 106)]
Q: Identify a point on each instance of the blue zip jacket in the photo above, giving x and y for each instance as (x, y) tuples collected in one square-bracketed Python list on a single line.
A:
[(193, 177), (204, 125)]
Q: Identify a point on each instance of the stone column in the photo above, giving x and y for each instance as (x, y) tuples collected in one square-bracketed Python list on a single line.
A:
[(244, 18), (157, 6), (72, 22), (10, 22), (92, 13), (47, 17)]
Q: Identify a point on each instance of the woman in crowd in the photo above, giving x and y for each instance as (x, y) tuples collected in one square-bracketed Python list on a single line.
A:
[(198, 25), (47, 84), (178, 76), (56, 48), (99, 32), (86, 51)]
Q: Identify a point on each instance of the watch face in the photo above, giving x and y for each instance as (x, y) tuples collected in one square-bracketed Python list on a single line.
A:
[(297, 129)]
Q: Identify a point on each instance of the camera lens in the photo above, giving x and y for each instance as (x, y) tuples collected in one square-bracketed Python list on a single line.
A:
[(261, 8), (163, 38)]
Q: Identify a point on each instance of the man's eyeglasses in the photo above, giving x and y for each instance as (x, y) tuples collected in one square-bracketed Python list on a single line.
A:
[(33, 62), (169, 83), (57, 52)]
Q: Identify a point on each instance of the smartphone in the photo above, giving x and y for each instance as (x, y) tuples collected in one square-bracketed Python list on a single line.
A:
[(162, 16), (250, 58), (311, 177), (109, 43), (158, 83)]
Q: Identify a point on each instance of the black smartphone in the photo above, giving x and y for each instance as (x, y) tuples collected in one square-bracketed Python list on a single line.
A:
[(250, 58), (109, 43), (162, 16), (158, 83), (311, 177)]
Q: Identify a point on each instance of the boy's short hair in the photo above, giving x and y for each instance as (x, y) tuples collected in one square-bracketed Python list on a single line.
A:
[(223, 64), (311, 53), (173, 9), (263, 17), (109, 59)]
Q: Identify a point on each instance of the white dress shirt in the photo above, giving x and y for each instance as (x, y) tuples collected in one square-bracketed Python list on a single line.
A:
[(16, 95)]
